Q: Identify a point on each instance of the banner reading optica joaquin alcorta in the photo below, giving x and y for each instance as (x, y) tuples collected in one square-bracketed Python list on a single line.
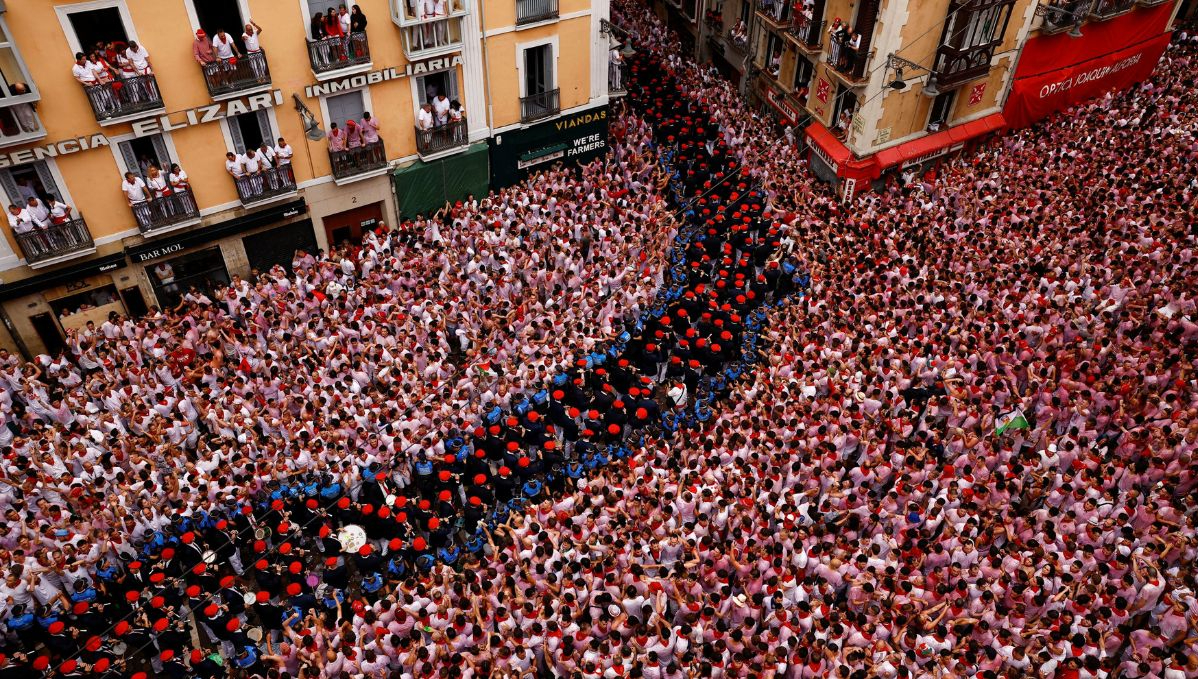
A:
[(1058, 71)]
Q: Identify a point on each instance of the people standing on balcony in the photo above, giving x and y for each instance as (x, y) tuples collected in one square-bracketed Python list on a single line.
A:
[(835, 32), (369, 127), (226, 55), (256, 167), (60, 212), (332, 29), (320, 49), (86, 74), (457, 118), (201, 50), (336, 138), (441, 109), (21, 223), (353, 135), (854, 46), (441, 11), (138, 197), (283, 152), (357, 31), (270, 163), (253, 50), (424, 123), (181, 190), (138, 57)]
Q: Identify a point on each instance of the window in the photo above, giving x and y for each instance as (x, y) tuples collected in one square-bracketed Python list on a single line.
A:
[(429, 86), (95, 29), (140, 153), (216, 15), (343, 107), (31, 180), (803, 70), (942, 107), (18, 118), (538, 70), (976, 24), (249, 130)]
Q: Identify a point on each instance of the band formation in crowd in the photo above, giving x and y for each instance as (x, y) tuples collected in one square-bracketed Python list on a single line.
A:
[(677, 413)]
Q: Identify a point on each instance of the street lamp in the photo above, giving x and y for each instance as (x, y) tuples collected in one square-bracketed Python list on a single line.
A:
[(897, 63)]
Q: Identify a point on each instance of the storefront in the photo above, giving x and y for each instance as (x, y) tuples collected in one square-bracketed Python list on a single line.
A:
[(577, 137), (348, 226), (202, 260), (1059, 71), (40, 310)]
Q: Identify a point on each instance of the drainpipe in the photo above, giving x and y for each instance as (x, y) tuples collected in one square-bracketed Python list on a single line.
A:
[(482, 28)]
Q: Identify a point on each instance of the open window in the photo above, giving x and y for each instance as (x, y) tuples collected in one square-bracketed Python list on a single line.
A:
[(140, 153), (249, 130), (31, 180), (19, 122), (972, 31)]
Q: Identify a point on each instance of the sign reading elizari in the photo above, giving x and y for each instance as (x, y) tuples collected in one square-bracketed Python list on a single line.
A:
[(172, 121), (382, 75)]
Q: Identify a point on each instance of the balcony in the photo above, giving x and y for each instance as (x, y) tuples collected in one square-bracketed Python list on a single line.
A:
[(1107, 9), (122, 98), (440, 139), (20, 124), (541, 105), (807, 32), (617, 78), (330, 55), (956, 66), (167, 212), (265, 185), (226, 77), (847, 62), (56, 242), (427, 34), (532, 11), (358, 161), (739, 41), (776, 14), (1062, 15)]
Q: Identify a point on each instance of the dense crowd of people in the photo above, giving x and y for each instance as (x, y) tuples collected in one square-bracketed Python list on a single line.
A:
[(678, 413)]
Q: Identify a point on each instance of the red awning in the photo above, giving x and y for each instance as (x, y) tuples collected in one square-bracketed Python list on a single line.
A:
[(932, 143), (828, 143)]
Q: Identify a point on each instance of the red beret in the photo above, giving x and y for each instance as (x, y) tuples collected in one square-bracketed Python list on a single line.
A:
[(293, 589)]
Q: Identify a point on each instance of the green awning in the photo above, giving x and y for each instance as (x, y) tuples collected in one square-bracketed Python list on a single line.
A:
[(425, 187), (541, 153)]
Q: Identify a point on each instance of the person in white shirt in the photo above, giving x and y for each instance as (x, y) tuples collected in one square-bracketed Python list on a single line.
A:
[(139, 56), (226, 53), (424, 119), (441, 109), (267, 156), (283, 152), (19, 219), (138, 198), (38, 212), (60, 212), (253, 164), (101, 97), (254, 47)]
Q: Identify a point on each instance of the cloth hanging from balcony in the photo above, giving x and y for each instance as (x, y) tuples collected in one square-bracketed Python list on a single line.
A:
[(1058, 71)]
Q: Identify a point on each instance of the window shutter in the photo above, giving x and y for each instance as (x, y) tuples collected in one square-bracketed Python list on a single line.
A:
[(47, 178), (235, 134), (130, 157), (10, 188)]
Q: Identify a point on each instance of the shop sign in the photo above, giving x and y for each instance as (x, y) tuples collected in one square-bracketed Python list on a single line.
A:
[(361, 80), (823, 155), (157, 252), (172, 121)]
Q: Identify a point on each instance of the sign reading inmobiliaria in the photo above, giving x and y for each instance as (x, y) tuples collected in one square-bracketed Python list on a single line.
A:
[(1058, 71)]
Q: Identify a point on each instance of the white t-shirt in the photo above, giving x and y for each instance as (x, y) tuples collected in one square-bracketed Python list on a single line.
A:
[(441, 108), (234, 166), (425, 119), (135, 191), (84, 74), (20, 222), (284, 153), (38, 213), (344, 19), (140, 58), (253, 161), (250, 38), (224, 50)]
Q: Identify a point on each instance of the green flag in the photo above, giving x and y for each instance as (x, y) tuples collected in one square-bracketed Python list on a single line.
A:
[(1010, 422)]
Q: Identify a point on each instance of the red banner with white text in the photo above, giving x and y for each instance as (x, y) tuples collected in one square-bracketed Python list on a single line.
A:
[(1058, 71)]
